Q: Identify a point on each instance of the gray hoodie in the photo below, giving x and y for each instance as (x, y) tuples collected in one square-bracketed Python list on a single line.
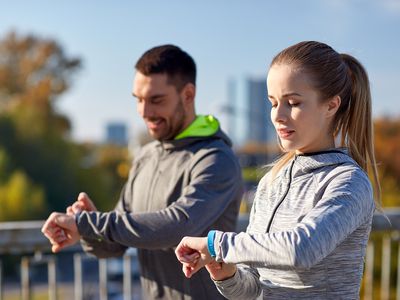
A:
[(307, 235), (175, 188)]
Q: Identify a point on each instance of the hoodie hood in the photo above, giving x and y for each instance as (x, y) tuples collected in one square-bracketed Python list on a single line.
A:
[(203, 127), (308, 162)]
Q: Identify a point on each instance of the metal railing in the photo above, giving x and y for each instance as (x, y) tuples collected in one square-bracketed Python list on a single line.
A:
[(24, 239)]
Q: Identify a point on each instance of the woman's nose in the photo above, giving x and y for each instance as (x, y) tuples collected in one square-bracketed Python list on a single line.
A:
[(278, 114)]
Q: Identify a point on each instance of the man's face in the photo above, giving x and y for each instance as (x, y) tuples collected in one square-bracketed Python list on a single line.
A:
[(160, 105)]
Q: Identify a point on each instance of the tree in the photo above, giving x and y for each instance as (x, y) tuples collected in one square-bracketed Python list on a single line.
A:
[(387, 147), (19, 198), (33, 73), (39, 165)]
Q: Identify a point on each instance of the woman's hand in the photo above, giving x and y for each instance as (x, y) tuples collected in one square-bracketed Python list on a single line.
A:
[(221, 271), (193, 253)]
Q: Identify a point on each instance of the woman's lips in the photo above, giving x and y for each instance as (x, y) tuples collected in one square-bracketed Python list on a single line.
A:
[(285, 133)]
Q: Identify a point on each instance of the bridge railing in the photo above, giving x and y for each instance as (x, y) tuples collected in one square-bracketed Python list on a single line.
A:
[(24, 240)]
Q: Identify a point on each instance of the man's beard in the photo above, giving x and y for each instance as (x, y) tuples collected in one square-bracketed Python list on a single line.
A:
[(177, 123)]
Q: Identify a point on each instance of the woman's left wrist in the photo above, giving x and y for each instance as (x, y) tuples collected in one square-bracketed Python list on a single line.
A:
[(210, 243)]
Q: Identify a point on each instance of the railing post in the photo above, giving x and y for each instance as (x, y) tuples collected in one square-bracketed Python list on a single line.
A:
[(1, 280), (369, 272), (127, 277), (398, 275), (25, 288), (103, 279), (385, 279), (78, 276), (52, 278)]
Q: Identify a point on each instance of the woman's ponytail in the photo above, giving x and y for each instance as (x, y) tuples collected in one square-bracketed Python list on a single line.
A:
[(355, 124)]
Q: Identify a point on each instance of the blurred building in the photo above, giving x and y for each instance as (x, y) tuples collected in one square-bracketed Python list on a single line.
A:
[(248, 119), (116, 133), (259, 126)]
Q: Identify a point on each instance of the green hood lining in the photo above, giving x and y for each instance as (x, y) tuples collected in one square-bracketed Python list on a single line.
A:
[(201, 126)]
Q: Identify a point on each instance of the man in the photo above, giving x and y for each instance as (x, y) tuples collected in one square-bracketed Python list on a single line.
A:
[(186, 182)]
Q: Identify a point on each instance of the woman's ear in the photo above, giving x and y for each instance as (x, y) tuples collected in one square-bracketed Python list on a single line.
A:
[(333, 106)]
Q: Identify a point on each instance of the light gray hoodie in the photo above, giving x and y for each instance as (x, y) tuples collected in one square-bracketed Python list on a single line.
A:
[(307, 235)]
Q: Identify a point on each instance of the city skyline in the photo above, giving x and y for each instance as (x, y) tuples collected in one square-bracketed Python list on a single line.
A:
[(227, 39)]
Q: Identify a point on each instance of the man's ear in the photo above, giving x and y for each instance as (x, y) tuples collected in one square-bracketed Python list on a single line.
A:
[(188, 93), (333, 106)]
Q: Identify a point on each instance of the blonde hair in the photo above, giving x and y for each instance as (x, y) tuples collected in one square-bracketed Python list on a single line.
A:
[(335, 74)]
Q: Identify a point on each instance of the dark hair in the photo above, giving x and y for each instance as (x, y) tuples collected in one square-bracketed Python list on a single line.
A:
[(171, 60), (333, 74)]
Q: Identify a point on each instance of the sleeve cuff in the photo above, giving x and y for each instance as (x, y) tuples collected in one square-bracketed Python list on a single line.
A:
[(229, 282), (84, 222)]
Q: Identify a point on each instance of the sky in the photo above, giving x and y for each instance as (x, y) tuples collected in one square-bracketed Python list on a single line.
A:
[(229, 40)]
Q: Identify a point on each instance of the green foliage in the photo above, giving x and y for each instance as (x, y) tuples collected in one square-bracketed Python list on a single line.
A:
[(98, 174), (19, 198), (41, 169), (252, 174), (387, 147), (4, 165)]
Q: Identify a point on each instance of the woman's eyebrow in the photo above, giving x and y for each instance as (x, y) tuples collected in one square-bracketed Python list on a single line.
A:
[(286, 95)]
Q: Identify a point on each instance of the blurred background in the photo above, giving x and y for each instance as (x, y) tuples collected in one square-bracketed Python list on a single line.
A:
[(68, 122)]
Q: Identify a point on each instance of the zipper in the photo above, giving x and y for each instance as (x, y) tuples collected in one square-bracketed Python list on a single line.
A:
[(283, 197), (154, 179)]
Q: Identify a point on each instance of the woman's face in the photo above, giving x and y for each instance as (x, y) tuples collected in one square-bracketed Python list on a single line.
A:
[(302, 121)]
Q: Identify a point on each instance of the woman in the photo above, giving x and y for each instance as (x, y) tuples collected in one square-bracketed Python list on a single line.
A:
[(312, 213)]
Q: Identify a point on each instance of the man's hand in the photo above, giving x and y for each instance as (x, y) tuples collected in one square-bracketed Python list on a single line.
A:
[(61, 231), (82, 203)]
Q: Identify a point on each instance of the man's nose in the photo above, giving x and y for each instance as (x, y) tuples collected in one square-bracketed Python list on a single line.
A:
[(145, 109)]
